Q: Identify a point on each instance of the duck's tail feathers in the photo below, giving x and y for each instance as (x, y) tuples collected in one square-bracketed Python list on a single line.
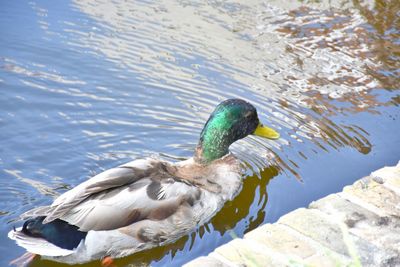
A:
[(37, 245)]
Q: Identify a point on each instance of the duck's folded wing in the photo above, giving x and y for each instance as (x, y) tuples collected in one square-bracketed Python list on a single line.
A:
[(112, 178), (144, 199), (118, 197)]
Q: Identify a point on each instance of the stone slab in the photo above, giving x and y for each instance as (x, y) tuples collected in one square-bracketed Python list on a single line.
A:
[(243, 252), (373, 193), (280, 238), (317, 226), (208, 261)]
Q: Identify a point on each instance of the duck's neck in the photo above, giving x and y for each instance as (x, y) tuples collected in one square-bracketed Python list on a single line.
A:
[(206, 152), (214, 142)]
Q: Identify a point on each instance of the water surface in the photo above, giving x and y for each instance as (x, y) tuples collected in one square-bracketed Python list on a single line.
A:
[(88, 85)]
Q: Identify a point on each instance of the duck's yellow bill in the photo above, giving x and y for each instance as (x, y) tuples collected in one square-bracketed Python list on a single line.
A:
[(266, 132)]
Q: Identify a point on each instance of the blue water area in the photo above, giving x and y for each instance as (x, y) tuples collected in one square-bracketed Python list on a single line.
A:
[(88, 85)]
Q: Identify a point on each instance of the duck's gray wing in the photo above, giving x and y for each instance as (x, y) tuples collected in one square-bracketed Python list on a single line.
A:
[(121, 196), (146, 198), (122, 175)]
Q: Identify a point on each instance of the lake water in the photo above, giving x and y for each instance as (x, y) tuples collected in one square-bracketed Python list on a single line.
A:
[(88, 85)]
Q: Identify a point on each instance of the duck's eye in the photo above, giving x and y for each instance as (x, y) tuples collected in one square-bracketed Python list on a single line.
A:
[(248, 114)]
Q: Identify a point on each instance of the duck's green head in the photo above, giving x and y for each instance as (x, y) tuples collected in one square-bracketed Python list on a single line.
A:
[(233, 119)]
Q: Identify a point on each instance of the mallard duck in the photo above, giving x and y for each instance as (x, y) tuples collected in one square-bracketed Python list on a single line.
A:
[(146, 202)]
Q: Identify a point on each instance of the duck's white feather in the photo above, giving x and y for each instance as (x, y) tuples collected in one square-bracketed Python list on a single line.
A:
[(37, 245)]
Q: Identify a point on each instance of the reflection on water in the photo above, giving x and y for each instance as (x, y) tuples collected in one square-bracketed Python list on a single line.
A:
[(87, 85), (384, 22)]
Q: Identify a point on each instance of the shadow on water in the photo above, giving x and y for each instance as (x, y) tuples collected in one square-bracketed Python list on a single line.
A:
[(87, 85)]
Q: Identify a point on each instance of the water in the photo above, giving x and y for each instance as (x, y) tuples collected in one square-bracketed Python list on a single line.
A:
[(87, 85)]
